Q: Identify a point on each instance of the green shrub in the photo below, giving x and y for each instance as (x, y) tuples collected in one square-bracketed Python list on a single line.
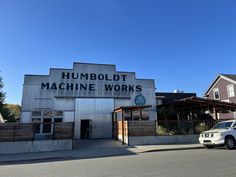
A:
[(201, 127), (161, 130)]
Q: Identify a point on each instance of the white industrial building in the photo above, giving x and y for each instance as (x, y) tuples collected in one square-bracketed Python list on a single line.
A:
[(87, 94)]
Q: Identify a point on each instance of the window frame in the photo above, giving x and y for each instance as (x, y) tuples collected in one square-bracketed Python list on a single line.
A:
[(228, 91), (43, 116), (215, 90)]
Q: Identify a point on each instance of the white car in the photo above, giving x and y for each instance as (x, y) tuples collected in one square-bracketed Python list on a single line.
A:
[(222, 134)]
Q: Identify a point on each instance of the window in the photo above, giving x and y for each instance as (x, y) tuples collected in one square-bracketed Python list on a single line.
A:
[(43, 121), (216, 93), (36, 124), (230, 90), (234, 114), (47, 125), (127, 114)]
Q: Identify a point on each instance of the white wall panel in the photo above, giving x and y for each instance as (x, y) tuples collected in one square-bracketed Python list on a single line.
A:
[(69, 116), (97, 110), (25, 117)]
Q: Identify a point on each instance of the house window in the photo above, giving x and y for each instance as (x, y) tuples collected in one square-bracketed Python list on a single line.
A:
[(235, 115), (216, 93), (43, 121), (230, 90)]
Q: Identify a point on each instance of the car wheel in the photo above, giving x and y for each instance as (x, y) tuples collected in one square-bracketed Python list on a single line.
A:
[(230, 143), (209, 146)]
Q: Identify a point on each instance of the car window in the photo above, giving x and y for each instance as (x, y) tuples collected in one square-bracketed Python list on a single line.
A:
[(234, 124), (223, 125)]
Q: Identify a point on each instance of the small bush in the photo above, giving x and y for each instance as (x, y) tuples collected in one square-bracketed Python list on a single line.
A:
[(201, 127), (161, 130)]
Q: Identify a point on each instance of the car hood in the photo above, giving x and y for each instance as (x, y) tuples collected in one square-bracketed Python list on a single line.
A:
[(216, 131)]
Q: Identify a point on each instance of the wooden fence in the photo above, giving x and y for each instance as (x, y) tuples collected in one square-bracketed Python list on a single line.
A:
[(142, 128), (16, 132), (158, 128), (29, 131), (64, 130)]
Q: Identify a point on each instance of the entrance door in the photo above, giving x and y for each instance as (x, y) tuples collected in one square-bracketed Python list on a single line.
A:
[(99, 111), (86, 129)]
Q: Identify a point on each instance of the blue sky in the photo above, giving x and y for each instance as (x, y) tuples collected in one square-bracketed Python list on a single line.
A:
[(182, 44)]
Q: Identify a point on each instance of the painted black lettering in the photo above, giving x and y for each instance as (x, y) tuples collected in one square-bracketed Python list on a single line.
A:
[(75, 75), (43, 85), (108, 87), (62, 86), (83, 87), (91, 87), (131, 88), (69, 86), (101, 77), (117, 87), (124, 88), (65, 75), (116, 77), (54, 86), (107, 78), (138, 88), (93, 76), (76, 87), (124, 77), (82, 76)]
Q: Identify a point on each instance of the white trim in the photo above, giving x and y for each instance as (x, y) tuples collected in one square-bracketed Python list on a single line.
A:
[(227, 100), (228, 79), (230, 85), (234, 114), (216, 81), (214, 91)]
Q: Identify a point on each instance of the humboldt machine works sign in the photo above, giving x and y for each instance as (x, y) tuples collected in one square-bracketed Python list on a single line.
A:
[(92, 82)]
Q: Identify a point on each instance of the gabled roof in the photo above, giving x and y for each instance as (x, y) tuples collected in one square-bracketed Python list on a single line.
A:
[(229, 77)]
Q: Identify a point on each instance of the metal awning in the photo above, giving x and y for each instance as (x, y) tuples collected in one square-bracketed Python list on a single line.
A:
[(197, 103), (131, 108)]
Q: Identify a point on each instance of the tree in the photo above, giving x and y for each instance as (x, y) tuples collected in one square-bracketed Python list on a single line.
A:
[(9, 112), (2, 95), (14, 110)]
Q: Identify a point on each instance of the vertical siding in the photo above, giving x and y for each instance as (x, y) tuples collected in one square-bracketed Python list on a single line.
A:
[(97, 110), (222, 86)]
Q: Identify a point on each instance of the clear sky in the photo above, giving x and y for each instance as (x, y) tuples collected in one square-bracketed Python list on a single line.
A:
[(182, 44)]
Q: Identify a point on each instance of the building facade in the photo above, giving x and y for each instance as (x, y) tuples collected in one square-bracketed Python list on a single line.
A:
[(87, 94), (223, 89)]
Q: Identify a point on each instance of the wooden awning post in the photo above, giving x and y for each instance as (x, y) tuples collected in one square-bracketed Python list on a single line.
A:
[(123, 128), (215, 113), (131, 114), (178, 121), (191, 119), (141, 114)]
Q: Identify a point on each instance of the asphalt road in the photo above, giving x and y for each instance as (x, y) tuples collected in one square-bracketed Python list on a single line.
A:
[(185, 163)]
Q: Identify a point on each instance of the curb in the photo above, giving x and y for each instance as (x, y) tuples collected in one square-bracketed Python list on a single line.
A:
[(172, 149), (33, 160)]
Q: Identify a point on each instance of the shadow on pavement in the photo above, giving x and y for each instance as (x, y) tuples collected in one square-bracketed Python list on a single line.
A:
[(83, 149)]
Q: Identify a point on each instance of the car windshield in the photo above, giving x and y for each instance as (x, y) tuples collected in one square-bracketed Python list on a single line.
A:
[(223, 125)]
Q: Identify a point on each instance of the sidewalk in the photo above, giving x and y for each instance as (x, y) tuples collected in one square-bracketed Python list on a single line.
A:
[(169, 147), (90, 149)]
